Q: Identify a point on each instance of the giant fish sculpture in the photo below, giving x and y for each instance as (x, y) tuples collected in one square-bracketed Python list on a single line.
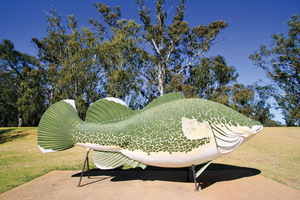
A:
[(172, 131)]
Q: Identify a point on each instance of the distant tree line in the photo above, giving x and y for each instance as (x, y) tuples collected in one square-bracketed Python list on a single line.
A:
[(139, 62)]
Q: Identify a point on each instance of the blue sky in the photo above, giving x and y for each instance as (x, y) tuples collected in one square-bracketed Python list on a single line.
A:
[(250, 24)]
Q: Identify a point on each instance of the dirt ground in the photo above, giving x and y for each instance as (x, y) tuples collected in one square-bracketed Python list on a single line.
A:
[(213, 184)]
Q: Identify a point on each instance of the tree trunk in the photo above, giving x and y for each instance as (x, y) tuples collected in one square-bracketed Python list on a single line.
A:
[(20, 120), (161, 78)]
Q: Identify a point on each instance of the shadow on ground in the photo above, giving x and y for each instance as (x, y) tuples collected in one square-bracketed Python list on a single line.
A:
[(213, 174), (7, 135)]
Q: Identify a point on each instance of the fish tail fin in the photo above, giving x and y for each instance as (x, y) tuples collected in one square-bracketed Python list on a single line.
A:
[(56, 127)]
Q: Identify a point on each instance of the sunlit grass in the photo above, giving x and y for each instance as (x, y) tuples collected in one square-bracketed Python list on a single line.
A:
[(21, 160), (274, 151)]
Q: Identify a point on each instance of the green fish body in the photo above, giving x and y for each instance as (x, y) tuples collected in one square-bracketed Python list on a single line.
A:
[(171, 131)]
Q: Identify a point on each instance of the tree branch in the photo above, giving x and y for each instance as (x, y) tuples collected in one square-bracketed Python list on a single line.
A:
[(154, 44), (198, 54), (169, 53), (283, 63), (141, 73)]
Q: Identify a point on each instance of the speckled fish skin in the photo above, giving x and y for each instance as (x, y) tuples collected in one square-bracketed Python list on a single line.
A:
[(170, 132), (160, 128)]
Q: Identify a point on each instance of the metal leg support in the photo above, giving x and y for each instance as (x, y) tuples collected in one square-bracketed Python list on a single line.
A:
[(86, 161), (195, 178), (199, 173), (202, 169), (88, 167)]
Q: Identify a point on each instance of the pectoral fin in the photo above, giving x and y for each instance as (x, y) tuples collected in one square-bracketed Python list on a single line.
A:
[(112, 160)]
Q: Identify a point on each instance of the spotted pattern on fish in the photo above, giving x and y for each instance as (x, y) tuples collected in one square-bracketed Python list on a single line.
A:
[(160, 129)]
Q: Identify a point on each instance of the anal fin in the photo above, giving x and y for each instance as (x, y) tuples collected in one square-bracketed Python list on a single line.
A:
[(112, 160)]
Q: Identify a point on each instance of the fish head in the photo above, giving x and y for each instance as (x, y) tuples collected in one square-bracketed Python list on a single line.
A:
[(232, 134), (248, 132)]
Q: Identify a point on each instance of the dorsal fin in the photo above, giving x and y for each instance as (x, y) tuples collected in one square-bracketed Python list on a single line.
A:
[(164, 99), (120, 101), (105, 111)]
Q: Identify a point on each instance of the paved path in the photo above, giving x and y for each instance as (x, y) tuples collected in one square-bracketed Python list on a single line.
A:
[(214, 184)]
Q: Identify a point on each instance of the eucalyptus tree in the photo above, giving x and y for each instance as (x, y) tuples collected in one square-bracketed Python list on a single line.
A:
[(161, 50), (175, 47), (73, 62), (21, 86), (281, 61), (125, 56), (211, 79)]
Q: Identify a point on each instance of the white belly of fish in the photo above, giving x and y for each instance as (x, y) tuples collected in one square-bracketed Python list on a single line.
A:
[(197, 156)]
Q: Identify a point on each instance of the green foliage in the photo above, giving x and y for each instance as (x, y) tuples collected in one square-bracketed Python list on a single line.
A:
[(281, 61), (174, 47), (8, 99), (242, 98), (22, 92), (211, 79), (153, 56), (72, 62), (261, 107), (252, 101), (134, 62)]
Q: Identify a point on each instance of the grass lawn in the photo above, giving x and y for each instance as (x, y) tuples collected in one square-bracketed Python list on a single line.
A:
[(21, 160), (274, 151)]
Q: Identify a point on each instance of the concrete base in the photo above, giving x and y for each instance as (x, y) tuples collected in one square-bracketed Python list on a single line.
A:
[(115, 184)]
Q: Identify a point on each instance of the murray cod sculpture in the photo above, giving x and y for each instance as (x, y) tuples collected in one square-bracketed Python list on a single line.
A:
[(172, 131)]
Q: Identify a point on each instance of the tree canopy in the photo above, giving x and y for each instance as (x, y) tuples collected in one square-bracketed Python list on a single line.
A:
[(281, 61), (21, 86), (136, 61)]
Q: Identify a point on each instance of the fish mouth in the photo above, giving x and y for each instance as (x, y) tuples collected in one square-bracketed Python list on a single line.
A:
[(256, 128)]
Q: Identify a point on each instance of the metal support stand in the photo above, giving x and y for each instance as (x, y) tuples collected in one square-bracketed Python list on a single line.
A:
[(88, 170), (88, 166), (199, 173), (195, 178)]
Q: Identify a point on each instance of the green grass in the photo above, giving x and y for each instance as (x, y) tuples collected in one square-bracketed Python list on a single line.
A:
[(274, 151), (21, 160)]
